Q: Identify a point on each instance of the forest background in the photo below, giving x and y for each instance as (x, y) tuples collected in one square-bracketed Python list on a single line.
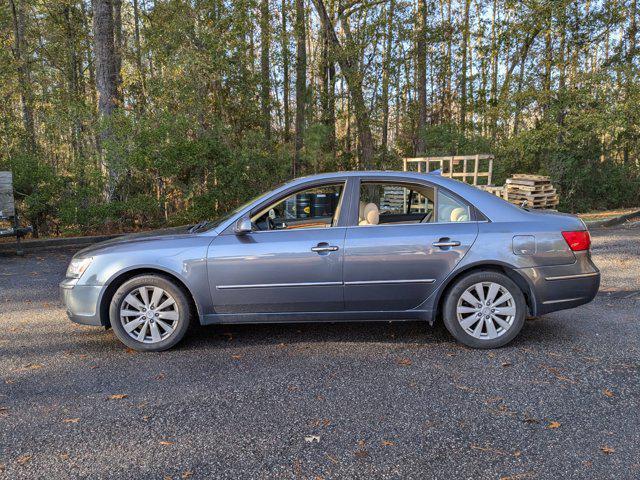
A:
[(127, 114)]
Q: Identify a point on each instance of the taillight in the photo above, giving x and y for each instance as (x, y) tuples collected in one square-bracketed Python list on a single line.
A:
[(577, 241)]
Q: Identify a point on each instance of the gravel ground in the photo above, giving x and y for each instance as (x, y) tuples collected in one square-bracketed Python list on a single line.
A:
[(322, 401)]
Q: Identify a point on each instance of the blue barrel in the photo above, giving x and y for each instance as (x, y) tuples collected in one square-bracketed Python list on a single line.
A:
[(303, 205), (321, 206)]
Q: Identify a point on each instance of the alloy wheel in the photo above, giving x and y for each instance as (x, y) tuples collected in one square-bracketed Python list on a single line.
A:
[(486, 310), (149, 314)]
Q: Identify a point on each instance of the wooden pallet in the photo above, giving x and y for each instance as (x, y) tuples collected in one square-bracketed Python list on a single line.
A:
[(494, 190), (536, 190)]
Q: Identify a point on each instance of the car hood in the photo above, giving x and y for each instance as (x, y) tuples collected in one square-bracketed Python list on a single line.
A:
[(163, 233)]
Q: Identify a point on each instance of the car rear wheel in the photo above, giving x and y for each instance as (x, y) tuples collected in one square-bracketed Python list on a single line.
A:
[(149, 313), (484, 310)]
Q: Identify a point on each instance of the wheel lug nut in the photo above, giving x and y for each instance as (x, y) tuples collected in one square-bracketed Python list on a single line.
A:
[(144, 309), (157, 314), (493, 310), (487, 317)]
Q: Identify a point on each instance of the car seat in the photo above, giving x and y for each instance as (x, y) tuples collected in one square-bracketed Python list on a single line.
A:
[(369, 214)]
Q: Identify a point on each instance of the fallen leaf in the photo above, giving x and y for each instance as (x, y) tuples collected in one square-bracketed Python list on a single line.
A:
[(607, 450), (608, 393), (118, 396), (312, 438), (404, 361), (4, 410), (506, 364), (64, 456), (237, 357), (8, 381), (553, 424), (387, 443), (556, 373), (361, 453), (160, 376), (165, 442), (71, 420), (187, 474), (333, 459), (23, 459), (33, 366), (130, 350)]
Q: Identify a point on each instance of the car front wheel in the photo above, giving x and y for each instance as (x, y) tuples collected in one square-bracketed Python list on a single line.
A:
[(484, 310), (149, 313)]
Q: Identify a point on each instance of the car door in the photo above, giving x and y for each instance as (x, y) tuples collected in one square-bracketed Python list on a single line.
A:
[(396, 263), (292, 260)]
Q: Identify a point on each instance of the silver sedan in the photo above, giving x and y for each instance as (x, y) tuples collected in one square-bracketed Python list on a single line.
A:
[(341, 247)]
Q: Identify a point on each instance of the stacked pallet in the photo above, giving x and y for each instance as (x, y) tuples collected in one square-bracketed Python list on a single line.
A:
[(497, 191), (536, 190)]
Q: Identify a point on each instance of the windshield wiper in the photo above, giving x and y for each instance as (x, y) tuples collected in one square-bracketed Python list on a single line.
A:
[(198, 226)]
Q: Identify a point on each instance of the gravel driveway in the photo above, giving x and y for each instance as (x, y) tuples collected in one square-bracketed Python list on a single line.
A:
[(363, 400)]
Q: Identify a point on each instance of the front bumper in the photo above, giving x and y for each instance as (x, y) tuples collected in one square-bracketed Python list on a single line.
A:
[(563, 286), (81, 302)]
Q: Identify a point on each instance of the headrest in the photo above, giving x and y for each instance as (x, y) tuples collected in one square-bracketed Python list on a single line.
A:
[(361, 210), (370, 214), (459, 215)]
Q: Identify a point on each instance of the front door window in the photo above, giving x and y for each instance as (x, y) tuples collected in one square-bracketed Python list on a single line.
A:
[(316, 207)]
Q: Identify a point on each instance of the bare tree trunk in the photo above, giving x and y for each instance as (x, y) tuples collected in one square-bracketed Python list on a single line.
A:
[(265, 83), (448, 63), (284, 39), (349, 67), (106, 80), (139, 64), (118, 46), (24, 72), (493, 96), (301, 81), (463, 79), (327, 94), (421, 67), (518, 106), (631, 51), (386, 67)]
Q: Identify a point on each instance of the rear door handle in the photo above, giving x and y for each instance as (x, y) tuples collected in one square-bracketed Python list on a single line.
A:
[(324, 248), (446, 243)]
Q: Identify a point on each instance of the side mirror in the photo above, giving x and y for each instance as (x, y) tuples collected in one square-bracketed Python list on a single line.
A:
[(243, 226)]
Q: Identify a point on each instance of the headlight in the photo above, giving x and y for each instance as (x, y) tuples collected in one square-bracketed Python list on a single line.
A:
[(78, 266)]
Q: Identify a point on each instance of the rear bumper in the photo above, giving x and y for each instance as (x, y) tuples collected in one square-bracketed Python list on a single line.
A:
[(81, 302), (563, 286)]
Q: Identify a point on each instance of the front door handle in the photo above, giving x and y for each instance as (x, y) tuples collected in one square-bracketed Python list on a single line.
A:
[(445, 242), (324, 247)]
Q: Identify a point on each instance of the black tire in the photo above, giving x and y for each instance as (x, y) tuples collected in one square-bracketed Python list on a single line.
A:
[(182, 306), (456, 291)]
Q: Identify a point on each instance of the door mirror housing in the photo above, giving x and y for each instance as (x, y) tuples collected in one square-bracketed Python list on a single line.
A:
[(243, 226)]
